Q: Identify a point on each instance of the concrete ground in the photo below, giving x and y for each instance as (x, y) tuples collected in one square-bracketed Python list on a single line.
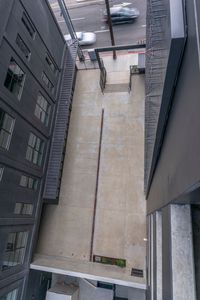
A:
[(119, 231)]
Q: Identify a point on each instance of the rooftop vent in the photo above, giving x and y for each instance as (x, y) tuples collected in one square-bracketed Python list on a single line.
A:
[(137, 272)]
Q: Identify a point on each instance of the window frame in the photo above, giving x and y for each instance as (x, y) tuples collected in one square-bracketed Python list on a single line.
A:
[(28, 24), (32, 150), (40, 110), (22, 45), (14, 292), (13, 247), (50, 63), (26, 209), (1, 172), (9, 133), (10, 85), (47, 82), (12, 286), (28, 179)]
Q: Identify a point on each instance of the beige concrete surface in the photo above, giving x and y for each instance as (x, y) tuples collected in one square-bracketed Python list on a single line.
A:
[(85, 269), (66, 228), (120, 215), (120, 222)]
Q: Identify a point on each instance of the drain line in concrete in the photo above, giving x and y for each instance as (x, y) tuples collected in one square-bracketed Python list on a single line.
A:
[(97, 186)]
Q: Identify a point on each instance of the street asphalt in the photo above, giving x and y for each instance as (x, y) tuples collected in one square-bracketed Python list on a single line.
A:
[(88, 16)]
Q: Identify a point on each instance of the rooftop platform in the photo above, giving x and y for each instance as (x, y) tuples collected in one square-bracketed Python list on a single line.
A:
[(116, 228)]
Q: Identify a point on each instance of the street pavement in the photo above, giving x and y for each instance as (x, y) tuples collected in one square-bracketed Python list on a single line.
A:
[(88, 16)]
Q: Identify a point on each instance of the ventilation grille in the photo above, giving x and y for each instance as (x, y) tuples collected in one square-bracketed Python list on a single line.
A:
[(137, 272)]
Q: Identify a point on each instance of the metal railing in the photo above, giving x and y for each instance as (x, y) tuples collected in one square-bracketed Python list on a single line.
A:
[(133, 70), (69, 24), (103, 76)]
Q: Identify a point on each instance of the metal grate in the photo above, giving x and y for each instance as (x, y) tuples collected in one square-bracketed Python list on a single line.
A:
[(55, 164), (137, 272)]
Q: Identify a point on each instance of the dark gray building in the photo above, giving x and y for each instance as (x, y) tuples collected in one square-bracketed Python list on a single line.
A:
[(34, 60), (172, 165)]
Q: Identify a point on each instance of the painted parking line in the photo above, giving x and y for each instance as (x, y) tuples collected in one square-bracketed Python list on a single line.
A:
[(99, 31), (77, 19), (122, 4)]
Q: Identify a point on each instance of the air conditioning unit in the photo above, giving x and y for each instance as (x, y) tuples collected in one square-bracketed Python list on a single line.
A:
[(92, 55)]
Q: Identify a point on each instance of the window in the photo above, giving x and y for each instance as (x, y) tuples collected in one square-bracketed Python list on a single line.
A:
[(47, 82), (29, 182), (15, 249), (14, 81), (22, 46), (23, 208), (42, 109), (51, 64), (35, 149), (28, 25), (10, 296), (1, 173), (6, 129)]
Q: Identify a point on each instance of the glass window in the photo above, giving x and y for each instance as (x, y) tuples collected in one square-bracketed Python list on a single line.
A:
[(51, 64), (42, 109), (15, 77), (23, 208), (28, 182), (22, 46), (6, 129), (35, 149), (28, 25), (1, 173), (47, 82), (10, 296), (15, 249)]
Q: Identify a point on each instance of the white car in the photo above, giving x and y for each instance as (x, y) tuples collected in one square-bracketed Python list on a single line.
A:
[(85, 38)]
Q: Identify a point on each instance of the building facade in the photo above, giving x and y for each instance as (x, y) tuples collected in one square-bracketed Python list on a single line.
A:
[(32, 53), (172, 149)]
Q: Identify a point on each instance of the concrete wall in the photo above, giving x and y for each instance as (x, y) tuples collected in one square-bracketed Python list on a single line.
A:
[(171, 260), (90, 292), (129, 293), (179, 164), (62, 296)]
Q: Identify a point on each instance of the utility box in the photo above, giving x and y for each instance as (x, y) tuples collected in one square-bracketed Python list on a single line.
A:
[(92, 55), (63, 292), (141, 62)]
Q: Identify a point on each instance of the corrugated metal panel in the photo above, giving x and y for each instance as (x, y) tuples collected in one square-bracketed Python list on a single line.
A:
[(52, 184), (164, 48)]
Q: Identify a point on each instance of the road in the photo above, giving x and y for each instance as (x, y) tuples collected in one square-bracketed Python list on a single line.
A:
[(90, 18)]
